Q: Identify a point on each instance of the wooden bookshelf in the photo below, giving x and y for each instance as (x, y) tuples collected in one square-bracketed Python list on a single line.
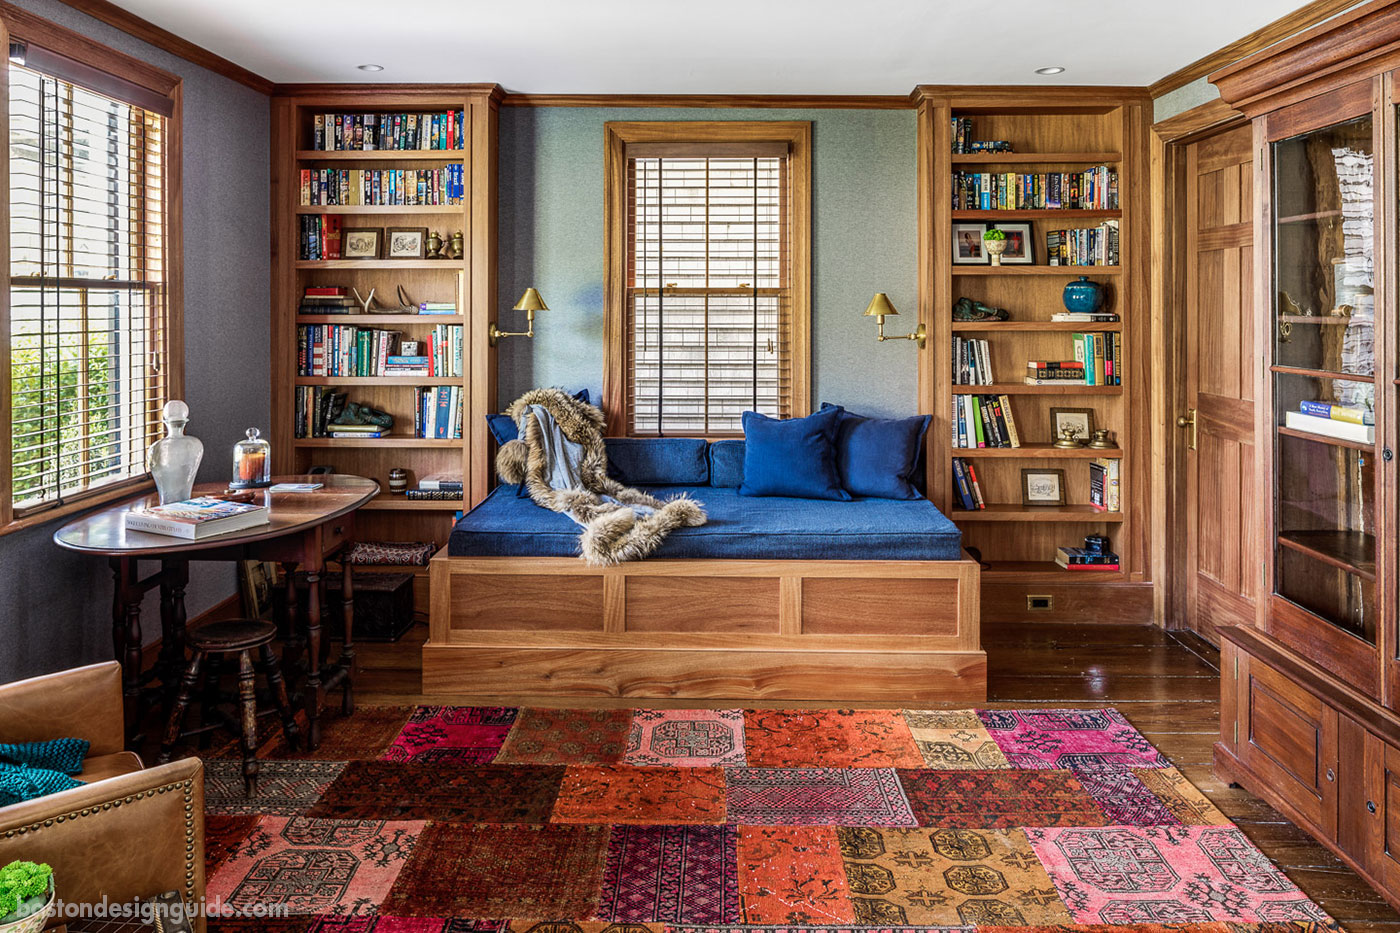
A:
[(469, 282), (1063, 129)]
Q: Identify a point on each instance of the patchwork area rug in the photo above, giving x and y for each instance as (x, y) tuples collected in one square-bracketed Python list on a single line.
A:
[(448, 819)]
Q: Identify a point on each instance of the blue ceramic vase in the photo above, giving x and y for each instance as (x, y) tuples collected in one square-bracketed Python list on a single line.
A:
[(1083, 296)]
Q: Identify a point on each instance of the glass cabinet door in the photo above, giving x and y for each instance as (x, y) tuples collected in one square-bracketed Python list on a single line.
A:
[(1324, 375)]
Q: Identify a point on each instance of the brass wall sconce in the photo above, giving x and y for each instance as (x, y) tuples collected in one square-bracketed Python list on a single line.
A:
[(530, 302), (879, 307)]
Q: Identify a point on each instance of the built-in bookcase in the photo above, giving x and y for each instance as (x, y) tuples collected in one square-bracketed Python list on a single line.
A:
[(1051, 131), (468, 282)]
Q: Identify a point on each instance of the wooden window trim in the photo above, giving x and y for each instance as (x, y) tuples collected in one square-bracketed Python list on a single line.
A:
[(24, 26), (797, 136)]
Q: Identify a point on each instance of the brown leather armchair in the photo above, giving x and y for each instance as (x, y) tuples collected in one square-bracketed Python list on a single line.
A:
[(130, 832)]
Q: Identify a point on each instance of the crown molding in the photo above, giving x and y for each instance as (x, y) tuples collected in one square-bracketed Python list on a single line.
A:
[(752, 101)]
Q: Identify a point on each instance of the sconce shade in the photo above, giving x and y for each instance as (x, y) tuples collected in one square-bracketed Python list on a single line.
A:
[(531, 301), (879, 306)]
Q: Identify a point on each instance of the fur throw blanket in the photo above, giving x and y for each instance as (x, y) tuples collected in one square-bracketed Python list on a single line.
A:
[(619, 523)]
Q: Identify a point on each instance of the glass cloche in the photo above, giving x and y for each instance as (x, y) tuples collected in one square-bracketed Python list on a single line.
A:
[(252, 462)]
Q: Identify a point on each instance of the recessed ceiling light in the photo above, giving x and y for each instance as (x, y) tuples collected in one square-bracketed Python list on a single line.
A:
[(1049, 70), (381, 67)]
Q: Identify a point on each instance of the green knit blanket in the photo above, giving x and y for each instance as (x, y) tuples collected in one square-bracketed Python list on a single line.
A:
[(34, 769)]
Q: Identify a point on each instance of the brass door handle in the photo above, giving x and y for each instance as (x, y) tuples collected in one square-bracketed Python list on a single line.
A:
[(1188, 420)]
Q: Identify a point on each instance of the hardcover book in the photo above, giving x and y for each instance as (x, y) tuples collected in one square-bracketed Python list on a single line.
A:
[(198, 518)]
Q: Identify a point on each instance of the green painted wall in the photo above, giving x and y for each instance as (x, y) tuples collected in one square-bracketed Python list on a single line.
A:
[(863, 241)]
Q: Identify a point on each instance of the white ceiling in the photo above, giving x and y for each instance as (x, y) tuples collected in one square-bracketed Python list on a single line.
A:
[(718, 46)]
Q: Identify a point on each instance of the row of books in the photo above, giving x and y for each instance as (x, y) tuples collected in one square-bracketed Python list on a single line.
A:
[(347, 350), (385, 186), (972, 362), (1330, 419), (439, 412), (1097, 362), (966, 486), (1104, 479), (1085, 246), (984, 421), (437, 487), (444, 356), (340, 132), (964, 143), (1092, 189), (320, 236)]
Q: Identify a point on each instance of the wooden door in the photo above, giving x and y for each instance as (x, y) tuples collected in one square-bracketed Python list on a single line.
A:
[(1220, 565)]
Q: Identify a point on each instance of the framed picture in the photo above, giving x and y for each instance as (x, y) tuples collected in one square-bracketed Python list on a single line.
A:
[(256, 580), (1079, 420), (361, 242), (407, 242), (967, 245), (1042, 487), (1019, 251)]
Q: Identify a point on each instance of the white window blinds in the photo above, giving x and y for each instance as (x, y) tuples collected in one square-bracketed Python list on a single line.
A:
[(88, 267), (708, 287)]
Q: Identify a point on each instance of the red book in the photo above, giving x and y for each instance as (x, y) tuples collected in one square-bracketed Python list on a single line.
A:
[(1092, 567), (324, 291)]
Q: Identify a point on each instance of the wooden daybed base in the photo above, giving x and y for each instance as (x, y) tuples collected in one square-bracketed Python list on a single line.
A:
[(897, 632)]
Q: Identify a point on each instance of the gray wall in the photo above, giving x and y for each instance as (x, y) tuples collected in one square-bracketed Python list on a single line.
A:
[(55, 606), (864, 204)]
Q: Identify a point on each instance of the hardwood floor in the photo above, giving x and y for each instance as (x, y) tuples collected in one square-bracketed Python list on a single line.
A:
[(1166, 683)]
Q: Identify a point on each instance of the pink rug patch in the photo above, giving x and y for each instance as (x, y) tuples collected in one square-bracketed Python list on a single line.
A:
[(315, 866), (461, 734), (1076, 739), (1166, 874), (686, 738)]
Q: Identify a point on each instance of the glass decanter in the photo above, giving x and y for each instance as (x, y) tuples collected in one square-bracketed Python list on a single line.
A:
[(174, 459)]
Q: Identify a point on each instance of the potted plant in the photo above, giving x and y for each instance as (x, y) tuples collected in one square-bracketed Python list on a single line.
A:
[(994, 242), (26, 894)]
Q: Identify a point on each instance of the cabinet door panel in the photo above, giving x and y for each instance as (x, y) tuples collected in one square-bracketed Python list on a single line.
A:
[(1289, 738)]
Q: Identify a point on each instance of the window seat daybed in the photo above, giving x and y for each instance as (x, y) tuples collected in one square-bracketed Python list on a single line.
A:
[(773, 598)]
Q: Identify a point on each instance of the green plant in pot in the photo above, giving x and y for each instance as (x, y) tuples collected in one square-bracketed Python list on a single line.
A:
[(994, 242), (26, 891)]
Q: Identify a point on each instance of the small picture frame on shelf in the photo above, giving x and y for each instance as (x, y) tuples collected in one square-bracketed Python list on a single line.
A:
[(407, 242), (1019, 249), (1042, 487), (967, 245), (362, 242), (1079, 420)]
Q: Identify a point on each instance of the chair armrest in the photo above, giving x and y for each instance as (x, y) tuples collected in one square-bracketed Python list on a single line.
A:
[(125, 838), (84, 703)]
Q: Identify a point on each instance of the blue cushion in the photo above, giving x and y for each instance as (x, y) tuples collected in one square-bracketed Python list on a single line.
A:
[(503, 429), (793, 457), (739, 528), (658, 461), (727, 463), (880, 457)]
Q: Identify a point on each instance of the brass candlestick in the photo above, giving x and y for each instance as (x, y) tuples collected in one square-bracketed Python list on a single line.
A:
[(1069, 439), (1101, 440)]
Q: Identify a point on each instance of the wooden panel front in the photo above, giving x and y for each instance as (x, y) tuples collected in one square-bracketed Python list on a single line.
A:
[(701, 604), (876, 605), (1289, 737), (527, 602)]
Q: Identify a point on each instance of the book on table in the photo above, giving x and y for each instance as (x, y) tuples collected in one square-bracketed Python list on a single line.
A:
[(197, 518)]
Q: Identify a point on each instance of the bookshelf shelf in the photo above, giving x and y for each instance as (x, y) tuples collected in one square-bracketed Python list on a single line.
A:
[(349, 319), (378, 380), (1351, 551), (1324, 439), (396, 441), (388, 503), (1067, 213), (1036, 158), (446, 265), (1014, 270), (430, 209), (1041, 571), (1020, 388), (381, 155), (1038, 452), (1006, 512), (1012, 327)]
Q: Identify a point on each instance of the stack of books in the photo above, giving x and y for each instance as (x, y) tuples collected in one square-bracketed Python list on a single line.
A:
[(438, 487), (972, 362), (327, 299), (965, 484), (1096, 363), (355, 430), (984, 421), (339, 132), (1079, 558), (198, 518), (437, 307), (1086, 317), (1087, 246), (1103, 484), (1054, 372), (439, 412), (1330, 419), (1094, 189), (408, 366)]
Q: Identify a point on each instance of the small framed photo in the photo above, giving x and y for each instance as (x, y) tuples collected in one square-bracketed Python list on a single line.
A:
[(967, 245), (256, 581), (1019, 250), (407, 242), (1078, 420), (361, 242), (1042, 487)]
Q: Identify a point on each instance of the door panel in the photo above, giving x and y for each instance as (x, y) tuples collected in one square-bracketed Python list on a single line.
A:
[(1221, 566)]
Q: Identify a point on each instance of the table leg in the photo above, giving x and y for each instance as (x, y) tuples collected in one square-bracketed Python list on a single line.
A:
[(118, 609), (133, 701), (313, 657), (291, 651), (174, 575), (347, 646)]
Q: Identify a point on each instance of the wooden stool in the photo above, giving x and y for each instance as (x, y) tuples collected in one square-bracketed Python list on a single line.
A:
[(240, 636)]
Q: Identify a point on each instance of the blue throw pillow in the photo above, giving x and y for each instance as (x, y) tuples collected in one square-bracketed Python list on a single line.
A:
[(879, 458), (793, 458)]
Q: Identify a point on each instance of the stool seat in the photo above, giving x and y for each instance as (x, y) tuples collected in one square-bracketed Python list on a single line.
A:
[(232, 635)]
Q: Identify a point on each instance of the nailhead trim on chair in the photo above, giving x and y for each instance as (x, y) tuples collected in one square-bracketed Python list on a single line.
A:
[(187, 786)]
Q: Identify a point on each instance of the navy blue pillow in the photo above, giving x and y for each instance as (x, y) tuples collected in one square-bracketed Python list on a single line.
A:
[(879, 458), (503, 429), (793, 458)]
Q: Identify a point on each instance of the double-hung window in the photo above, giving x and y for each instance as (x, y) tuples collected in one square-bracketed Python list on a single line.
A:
[(87, 342), (708, 275)]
